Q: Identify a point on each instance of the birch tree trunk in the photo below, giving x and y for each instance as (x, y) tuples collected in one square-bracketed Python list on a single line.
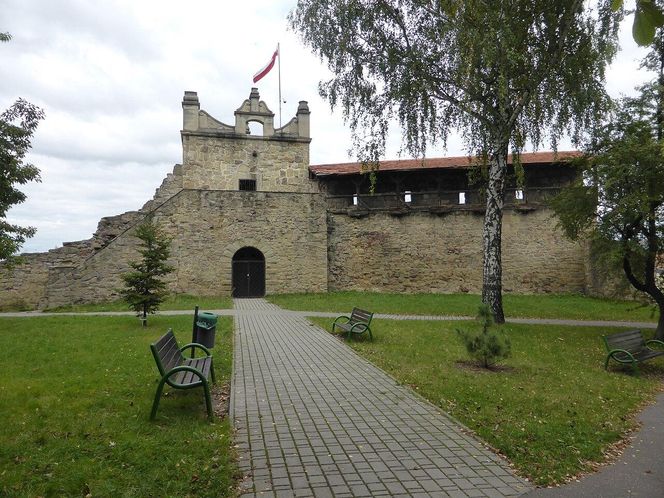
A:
[(492, 281)]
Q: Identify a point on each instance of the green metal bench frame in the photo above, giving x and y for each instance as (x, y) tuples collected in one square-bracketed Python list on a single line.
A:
[(630, 348), (357, 323), (180, 372)]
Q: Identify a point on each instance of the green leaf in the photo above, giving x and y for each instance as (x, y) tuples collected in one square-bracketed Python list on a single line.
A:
[(643, 29), (616, 4), (647, 18), (653, 12)]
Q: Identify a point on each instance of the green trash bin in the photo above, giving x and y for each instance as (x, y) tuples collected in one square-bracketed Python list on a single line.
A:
[(206, 328)]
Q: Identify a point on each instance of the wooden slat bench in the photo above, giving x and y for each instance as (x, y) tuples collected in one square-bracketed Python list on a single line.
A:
[(357, 323), (180, 372), (630, 347)]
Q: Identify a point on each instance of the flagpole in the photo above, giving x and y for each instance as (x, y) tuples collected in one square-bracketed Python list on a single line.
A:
[(279, 56)]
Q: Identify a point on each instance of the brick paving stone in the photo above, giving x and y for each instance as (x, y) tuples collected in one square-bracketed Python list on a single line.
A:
[(312, 418)]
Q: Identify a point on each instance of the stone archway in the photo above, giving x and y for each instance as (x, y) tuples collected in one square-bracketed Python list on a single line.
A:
[(248, 276)]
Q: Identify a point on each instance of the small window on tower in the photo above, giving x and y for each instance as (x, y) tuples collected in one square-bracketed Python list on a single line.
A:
[(247, 184)]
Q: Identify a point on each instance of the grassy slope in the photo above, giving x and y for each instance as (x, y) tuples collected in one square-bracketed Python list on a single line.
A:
[(75, 399), (531, 306), (553, 410)]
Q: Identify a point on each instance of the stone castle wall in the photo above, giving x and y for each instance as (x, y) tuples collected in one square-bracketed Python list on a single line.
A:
[(26, 285), (23, 285), (217, 155), (309, 244), (424, 252), (207, 228), (276, 166)]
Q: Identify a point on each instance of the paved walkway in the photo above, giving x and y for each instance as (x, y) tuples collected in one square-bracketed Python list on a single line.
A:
[(315, 419), (276, 310)]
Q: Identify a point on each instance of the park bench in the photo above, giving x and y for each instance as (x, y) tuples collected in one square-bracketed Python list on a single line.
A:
[(630, 347), (180, 372), (357, 323)]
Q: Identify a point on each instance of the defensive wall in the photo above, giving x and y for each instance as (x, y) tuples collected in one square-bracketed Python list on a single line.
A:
[(425, 252), (315, 228)]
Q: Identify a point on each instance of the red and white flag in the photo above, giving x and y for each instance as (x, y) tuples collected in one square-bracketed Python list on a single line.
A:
[(267, 67)]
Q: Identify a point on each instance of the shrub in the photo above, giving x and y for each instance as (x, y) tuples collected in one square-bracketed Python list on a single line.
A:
[(486, 346)]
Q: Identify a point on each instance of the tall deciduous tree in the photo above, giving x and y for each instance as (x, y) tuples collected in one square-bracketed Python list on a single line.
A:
[(619, 197), (505, 72), (17, 125), (144, 288)]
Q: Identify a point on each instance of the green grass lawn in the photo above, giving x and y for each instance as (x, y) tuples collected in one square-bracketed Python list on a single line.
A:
[(75, 401), (551, 411), (524, 306), (172, 302)]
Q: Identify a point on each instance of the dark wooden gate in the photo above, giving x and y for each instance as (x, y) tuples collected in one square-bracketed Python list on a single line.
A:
[(248, 273)]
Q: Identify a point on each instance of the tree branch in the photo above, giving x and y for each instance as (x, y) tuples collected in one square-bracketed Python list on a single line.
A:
[(627, 268)]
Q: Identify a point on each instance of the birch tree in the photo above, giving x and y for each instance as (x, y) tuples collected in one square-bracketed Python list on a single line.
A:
[(503, 72)]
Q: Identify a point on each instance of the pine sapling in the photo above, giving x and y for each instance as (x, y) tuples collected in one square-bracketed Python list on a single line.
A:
[(144, 289), (486, 346)]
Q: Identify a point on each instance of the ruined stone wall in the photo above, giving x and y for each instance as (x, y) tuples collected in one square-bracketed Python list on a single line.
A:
[(423, 252), (170, 186), (277, 166), (24, 284), (207, 228)]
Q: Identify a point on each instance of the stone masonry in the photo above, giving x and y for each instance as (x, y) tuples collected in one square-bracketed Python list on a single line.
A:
[(203, 246), (218, 155), (423, 252), (288, 215)]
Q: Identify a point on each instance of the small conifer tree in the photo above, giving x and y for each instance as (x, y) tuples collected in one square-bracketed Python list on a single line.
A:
[(487, 346), (144, 290)]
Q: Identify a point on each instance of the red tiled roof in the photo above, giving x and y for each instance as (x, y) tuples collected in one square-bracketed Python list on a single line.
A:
[(461, 162)]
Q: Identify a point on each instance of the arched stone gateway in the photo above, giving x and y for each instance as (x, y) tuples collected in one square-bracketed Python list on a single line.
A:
[(248, 273)]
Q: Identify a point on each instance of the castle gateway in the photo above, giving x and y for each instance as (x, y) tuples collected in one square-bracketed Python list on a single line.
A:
[(249, 216)]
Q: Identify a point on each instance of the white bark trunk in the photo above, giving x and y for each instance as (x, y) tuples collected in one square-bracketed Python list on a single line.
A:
[(492, 235)]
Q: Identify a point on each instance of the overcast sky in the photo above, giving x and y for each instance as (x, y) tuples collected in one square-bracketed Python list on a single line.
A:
[(110, 75)]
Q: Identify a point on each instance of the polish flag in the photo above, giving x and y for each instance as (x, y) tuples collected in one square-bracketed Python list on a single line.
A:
[(259, 75)]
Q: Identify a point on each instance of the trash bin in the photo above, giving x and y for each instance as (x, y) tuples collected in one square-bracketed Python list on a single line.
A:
[(206, 328)]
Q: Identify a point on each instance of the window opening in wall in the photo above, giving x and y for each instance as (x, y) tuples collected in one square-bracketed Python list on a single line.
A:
[(255, 128), (462, 197), (247, 184), (518, 195), (407, 197), (354, 199)]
